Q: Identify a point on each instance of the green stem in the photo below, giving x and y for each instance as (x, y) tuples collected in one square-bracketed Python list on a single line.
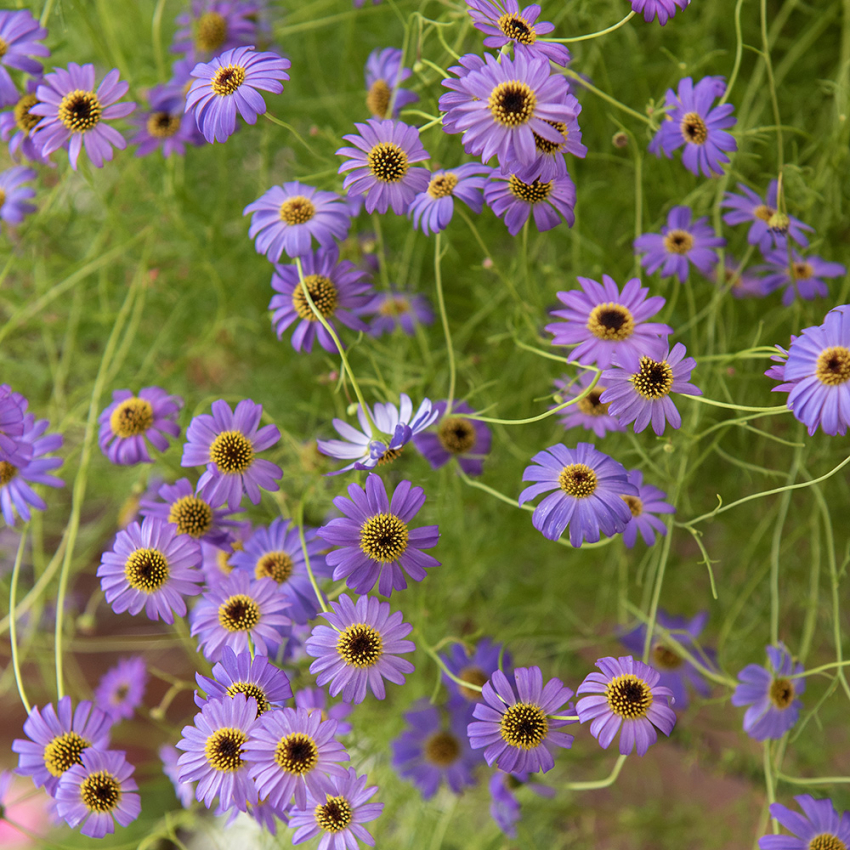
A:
[(607, 97), (441, 301), (616, 26), (313, 581), (13, 592), (599, 783), (292, 130)]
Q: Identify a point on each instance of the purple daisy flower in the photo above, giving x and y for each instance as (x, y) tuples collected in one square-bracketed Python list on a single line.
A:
[(769, 228), (639, 388), (213, 753), (181, 506), (458, 95), (231, 83), (293, 751), (428, 754), (664, 9), (648, 502), (691, 121), (804, 279), (589, 413), (12, 424), (736, 279), (17, 124), (821, 829), (58, 737), (396, 309), (152, 567), (400, 424), (432, 209), (590, 486), (380, 162), (227, 442), (520, 734), (98, 792), (505, 103), (674, 671), (275, 552), (212, 26), (504, 806), (384, 76), (32, 467), (122, 688), (375, 540), (165, 125), (239, 610), (340, 814), (360, 648), (520, 28), (605, 322), (288, 217), (771, 694), (315, 699), (625, 695), (19, 36), (339, 291), (169, 757), (467, 440), (514, 201), (14, 195), (679, 243), (73, 114), (816, 374), (253, 677), (476, 669), (131, 421)]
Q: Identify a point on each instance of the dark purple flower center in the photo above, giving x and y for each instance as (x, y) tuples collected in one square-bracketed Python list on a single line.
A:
[(531, 193), (296, 753), (456, 435), (578, 480), (590, 405), (7, 472), (131, 417), (516, 28), (442, 185), (360, 646), (251, 689), (163, 125), (387, 162), (227, 79), (232, 452), (322, 293), (833, 366), (274, 565), (146, 570), (23, 119), (694, 129), (781, 693), (334, 815), (628, 696), (100, 792), (826, 841), (611, 321), (297, 210), (80, 110), (802, 271), (763, 212), (635, 505), (383, 537), (475, 676), (654, 379), (239, 613), (212, 32), (662, 656), (678, 242), (442, 749), (524, 725), (378, 98), (547, 147), (191, 515), (224, 749), (64, 752), (512, 103)]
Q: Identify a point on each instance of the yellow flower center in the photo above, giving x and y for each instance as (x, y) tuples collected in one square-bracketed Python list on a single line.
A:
[(232, 452), (192, 516), (80, 110), (654, 379), (442, 749), (296, 753), (517, 28), (378, 98), (512, 103), (360, 646), (611, 321), (693, 129), (457, 435), (387, 162), (833, 366), (442, 185), (23, 119), (227, 79), (274, 565), (100, 792), (323, 294), (531, 193), (239, 613), (578, 480), (7, 471), (334, 815), (146, 570), (224, 749), (524, 725), (131, 417), (211, 33), (297, 210), (678, 242), (634, 503), (475, 676), (781, 693), (64, 752), (628, 696), (249, 689), (163, 125), (384, 537)]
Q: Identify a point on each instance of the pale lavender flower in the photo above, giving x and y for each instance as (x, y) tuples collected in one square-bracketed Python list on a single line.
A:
[(804, 278), (398, 309), (14, 195), (432, 209), (589, 412), (20, 34), (768, 228), (384, 75), (131, 421), (648, 502), (122, 688)]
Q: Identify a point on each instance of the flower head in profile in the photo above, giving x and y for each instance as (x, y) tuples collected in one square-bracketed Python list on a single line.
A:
[(165, 126), (648, 502), (339, 292), (680, 243), (122, 688), (589, 487), (820, 827), (662, 9), (475, 669), (588, 412), (360, 648), (151, 567), (98, 793), (227, 443), (14, 195), (639, 388), (603, 322), (210, 27), (384, 75), (514, 200), (73, 113), (231, 83), (20, 34), (466, 440), (376, 543), (768, 228), (397, 425), (430, 752), (57, 738), (432, 209), (338, 815), (132, 421), (397, 309), (520, 28), (380, 165), (803, 278), (692, 121), (625, 697), (771, 694), (17, 124), (517, 727)]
